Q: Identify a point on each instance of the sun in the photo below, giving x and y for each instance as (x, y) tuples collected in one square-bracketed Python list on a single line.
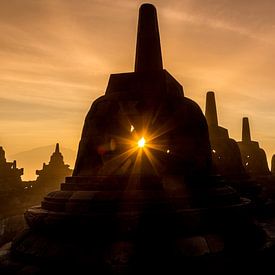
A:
[(141, 142)]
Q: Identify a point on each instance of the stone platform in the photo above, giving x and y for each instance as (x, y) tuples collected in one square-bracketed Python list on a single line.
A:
[(119, 227)]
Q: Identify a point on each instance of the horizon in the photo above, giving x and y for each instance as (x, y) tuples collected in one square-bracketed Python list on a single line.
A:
[(54, 69)]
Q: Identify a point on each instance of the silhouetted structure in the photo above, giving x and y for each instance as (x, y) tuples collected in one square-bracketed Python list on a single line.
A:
[(253, 157), (52, 174), (226, 155), (142, 196), (10, 175), (273, 164), (151, 102)]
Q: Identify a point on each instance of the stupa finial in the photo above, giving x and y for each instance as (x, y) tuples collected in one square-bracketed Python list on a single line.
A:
[(148, 49), (246, 137), (211, 109)]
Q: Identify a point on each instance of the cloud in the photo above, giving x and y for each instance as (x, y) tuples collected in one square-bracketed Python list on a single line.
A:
[(56, 57)]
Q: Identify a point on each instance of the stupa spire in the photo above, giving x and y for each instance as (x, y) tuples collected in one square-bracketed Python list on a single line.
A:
[(148, 49), (246, 130), (211, 109), (2, 154), (57, 148)]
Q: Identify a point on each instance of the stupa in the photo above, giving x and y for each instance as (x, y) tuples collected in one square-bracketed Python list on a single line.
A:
[(50, 176), (253, 157), (273, 165), (10, 175), (226, 156), (143, 197)]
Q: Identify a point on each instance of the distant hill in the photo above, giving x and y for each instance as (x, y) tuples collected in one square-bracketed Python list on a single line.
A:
[(33, 159)]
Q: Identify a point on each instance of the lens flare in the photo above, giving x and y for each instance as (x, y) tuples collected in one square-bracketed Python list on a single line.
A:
[(141, 142), (138, 145)]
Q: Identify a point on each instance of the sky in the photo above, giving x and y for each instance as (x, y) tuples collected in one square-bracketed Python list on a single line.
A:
[(56, 57)]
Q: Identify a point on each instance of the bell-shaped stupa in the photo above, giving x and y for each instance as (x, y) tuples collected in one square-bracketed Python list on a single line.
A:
[(142, 198), (225, 151), (226, 156), (253, 157), (273, 164)]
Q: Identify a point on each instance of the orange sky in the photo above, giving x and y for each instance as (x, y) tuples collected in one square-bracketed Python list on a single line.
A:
[(56, 57)]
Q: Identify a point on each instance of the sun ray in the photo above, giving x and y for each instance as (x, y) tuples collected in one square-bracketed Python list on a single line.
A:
[(139, 140), (115, 163), (135, 172), (137, 163), (160, 132), (158, 147), (153, 160)]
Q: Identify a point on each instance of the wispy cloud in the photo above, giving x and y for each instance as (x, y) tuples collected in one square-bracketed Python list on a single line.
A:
[(56, 57)]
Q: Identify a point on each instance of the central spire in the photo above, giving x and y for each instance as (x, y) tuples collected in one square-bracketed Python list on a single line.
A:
[(246, 137), (148, 50), (211, 109), (57, 148)]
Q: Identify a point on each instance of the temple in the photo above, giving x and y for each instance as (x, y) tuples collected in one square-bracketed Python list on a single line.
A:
[(253, 157), (50, 176), (226, 155), (10, 175), (144, 197), (148, 102), (273, 165)]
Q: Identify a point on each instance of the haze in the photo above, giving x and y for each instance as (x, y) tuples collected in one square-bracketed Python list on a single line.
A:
[(56, 57)]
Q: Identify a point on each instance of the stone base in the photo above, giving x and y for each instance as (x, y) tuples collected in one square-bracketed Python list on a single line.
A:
[(155, 226), (52, 252)]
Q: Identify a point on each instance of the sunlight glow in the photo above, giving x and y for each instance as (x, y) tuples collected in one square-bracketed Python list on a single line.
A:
[(141, 142), (138, 145)]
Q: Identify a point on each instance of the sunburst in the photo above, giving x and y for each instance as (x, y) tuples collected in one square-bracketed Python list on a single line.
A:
[(138, 143)]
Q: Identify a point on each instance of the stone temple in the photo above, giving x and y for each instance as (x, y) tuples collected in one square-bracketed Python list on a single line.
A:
[(226, 155), (50, 176), (10, 175), (253, 157), (273, 165), (143, 197)]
